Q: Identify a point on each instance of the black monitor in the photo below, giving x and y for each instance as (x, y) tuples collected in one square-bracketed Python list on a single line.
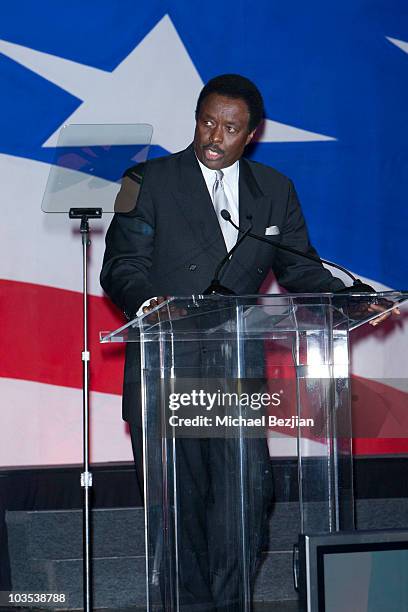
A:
[(361, 571)]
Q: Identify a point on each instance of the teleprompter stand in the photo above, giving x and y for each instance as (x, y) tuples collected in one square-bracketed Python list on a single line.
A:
[(90, 165), (84, 214)]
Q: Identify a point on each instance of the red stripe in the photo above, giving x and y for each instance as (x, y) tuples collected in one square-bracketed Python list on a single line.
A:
[(380, 446), (42, 337), (380, 414), (42, 341)]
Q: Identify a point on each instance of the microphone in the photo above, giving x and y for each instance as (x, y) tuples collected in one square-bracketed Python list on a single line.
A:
[(358, 285), (215, 286)]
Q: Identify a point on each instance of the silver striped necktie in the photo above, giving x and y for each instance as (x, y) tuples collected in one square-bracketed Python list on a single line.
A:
[(221, 202)]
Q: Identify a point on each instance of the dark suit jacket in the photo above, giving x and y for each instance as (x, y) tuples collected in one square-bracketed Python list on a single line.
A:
[(171, 243)]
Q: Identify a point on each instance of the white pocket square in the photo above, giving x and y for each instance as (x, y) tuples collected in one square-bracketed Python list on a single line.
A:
[(272, 230)]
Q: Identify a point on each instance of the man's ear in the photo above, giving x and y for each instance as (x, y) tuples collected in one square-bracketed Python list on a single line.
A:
[(250, 137)]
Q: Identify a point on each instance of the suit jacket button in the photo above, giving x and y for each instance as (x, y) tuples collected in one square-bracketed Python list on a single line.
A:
[(259, 270), (192, 267)]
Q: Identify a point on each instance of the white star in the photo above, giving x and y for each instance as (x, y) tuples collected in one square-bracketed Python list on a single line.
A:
[(156, 83), (399, 43)]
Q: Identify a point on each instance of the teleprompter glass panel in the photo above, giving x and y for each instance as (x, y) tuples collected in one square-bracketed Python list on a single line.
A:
[(92, 162)]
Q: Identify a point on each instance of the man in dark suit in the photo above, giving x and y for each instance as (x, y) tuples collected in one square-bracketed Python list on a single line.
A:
[(171, 243)]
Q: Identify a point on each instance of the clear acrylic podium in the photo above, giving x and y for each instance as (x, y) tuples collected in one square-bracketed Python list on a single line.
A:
[(221, 378)]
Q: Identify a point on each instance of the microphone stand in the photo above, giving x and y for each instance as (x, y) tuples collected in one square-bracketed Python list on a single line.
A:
[(215, 287), (86, 476), (358, 285)]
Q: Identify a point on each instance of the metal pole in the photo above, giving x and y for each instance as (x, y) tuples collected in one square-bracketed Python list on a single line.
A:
[(86, 476), (243, 465)]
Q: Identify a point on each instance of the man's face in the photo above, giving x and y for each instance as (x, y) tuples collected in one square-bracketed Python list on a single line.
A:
[(221, 132)]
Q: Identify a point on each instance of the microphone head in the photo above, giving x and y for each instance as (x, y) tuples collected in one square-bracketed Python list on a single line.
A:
[(357, 287), (225, 214), (361, 287)]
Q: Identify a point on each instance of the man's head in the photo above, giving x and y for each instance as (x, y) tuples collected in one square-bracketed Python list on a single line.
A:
[(229, 109)]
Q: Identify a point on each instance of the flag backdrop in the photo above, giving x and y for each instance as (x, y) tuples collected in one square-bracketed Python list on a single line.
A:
[(335, 81)]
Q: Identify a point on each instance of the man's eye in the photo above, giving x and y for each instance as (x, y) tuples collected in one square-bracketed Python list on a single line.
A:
[(231, 129)]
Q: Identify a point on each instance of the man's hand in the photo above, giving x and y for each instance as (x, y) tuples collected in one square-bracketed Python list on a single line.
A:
[(153, 303), (360, 309), (380, 308), (164, 315)]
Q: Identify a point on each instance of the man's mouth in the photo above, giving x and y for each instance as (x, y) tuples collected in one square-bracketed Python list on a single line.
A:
[(212, 153)]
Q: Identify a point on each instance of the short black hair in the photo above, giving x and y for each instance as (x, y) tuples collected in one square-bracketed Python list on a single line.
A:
[(236, 86)]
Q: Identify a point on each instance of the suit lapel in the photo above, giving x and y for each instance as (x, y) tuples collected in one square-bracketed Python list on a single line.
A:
[(196, 204), (250, 194), (254, 204)]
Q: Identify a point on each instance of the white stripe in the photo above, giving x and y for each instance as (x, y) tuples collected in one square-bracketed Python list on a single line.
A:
[(42, 425), (281, 445)]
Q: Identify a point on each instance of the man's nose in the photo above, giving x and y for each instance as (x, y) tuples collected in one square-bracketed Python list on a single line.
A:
[(216, 134)]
